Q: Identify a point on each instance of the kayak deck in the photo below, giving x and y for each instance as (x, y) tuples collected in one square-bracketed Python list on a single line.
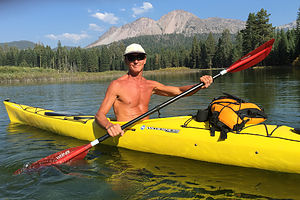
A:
[(262, 146)]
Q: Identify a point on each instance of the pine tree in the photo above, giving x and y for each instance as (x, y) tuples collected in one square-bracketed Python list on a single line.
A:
[(264, 30), (59, 57), (39, 53), (291, 35), (257, 31), (296, 62), (175, 60), (104, 60), (297, 38), (218, 57), (2, 56), (29, 57), (283, 49), (92, 60), (248, 34), (204, 56), (12, 56), (223, 56), (194, 53), (237, 51), (210, 46), (157, 62)]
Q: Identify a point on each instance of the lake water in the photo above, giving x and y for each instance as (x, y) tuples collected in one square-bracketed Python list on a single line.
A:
[(116, 173)]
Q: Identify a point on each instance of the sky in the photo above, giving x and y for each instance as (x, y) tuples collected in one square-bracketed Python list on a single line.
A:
[(82, 22)]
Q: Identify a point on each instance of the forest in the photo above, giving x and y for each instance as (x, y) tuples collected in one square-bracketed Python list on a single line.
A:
[(199, 51)]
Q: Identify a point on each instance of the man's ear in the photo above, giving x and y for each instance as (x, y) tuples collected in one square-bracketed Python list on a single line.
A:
[(125, 60)]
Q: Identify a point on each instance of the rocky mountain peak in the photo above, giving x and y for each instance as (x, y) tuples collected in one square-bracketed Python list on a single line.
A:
[(177, 21)]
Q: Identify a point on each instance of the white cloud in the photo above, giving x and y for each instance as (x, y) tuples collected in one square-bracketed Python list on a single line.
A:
[(68, 36), (140, 10), (95, 27), (106, 17)]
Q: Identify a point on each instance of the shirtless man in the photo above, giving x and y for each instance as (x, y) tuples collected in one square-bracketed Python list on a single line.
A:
[(130, 94)]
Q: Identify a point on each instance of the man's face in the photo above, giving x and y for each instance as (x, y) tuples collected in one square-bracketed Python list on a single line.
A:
[(135, 61)]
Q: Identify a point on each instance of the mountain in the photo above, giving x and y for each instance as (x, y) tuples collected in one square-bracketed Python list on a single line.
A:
[(22, 44), (289, 26), (178, 22)]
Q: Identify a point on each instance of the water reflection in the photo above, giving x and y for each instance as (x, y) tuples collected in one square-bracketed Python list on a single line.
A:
[(156, 176)]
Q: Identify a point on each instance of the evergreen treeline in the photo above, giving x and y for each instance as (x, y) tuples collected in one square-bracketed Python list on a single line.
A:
[(174, 50)]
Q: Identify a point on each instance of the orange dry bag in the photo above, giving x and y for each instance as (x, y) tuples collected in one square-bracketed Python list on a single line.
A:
[(230, 113)]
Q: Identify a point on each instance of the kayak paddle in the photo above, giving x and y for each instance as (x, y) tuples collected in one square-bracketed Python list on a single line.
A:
[(77, 153)]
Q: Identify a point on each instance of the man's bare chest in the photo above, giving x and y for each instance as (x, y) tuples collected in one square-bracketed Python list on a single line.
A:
[(134, 94)]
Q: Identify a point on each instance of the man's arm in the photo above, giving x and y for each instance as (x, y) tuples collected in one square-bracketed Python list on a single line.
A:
[(100, 117), (164, 90)]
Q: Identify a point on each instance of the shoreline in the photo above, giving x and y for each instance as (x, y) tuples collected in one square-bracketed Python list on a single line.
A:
[(14, 75), (10, 75)]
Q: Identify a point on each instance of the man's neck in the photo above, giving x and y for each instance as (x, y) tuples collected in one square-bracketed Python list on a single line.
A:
[(135, 75)]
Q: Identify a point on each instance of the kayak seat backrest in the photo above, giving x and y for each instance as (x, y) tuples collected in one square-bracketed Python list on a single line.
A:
[(63, 113)]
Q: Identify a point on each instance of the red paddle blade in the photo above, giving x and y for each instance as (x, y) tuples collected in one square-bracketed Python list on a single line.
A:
[(252, 58), (75, 153)]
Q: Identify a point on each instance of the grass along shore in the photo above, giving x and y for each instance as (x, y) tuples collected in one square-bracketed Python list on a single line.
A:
[(13, 74)]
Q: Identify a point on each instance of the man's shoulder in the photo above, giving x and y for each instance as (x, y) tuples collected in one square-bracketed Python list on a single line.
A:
[(152, 82), (118, 80), (114, 84)]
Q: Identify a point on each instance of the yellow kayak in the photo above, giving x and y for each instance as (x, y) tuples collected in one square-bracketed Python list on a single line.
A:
[(269, 147)]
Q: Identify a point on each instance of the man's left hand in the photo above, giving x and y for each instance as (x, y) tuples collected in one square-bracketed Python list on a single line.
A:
[(207, 80)]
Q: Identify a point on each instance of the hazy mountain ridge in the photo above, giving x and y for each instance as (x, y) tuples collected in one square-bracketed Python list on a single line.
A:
[(288, 26), (22, 44)]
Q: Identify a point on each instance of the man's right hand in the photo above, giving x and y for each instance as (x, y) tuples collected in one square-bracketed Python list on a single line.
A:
[(114, 130)]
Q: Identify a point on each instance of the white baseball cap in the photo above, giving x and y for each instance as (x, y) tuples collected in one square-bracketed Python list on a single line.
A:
[(134, 48)]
